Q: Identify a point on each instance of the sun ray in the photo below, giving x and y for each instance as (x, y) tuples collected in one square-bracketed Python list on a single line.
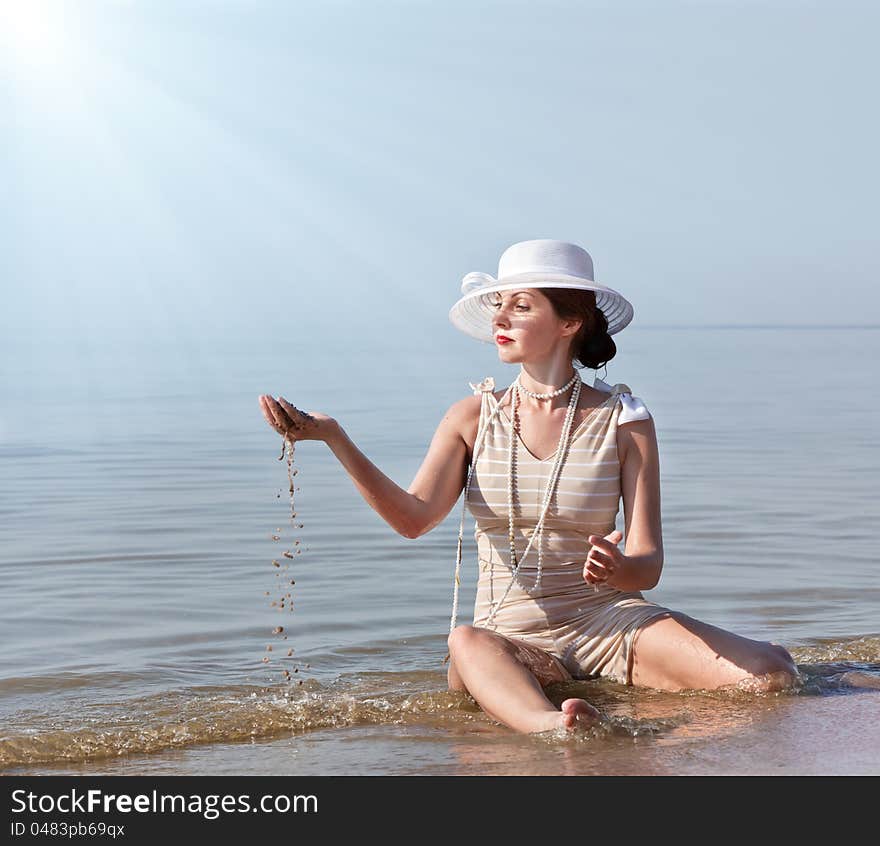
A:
[(32, 35)]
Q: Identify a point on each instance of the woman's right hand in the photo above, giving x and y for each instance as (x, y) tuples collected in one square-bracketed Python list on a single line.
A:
[(295, 425)]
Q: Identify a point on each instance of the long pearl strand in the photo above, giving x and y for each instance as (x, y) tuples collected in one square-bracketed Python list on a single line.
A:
[(510, 474), (515, 565)]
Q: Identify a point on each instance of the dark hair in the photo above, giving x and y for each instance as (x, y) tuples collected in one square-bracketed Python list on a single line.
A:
[(591, 345)]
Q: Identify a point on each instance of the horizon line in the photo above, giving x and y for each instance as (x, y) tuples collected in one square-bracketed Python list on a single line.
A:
[(756, 326)]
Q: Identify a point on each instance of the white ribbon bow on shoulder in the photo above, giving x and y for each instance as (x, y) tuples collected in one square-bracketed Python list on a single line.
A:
[(488, 384)]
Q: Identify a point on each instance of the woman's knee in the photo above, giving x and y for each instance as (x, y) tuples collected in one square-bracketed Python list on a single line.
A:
[(466, 640), (779, 659), (464, 637), (774, 670)]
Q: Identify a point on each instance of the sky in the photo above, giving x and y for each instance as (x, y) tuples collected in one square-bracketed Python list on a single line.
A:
[(246, 167)]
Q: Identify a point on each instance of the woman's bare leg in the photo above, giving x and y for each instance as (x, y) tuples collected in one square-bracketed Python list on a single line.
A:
[(681, 653), (507, 677)]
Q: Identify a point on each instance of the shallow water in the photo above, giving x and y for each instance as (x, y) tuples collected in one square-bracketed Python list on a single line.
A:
[(141, 489)]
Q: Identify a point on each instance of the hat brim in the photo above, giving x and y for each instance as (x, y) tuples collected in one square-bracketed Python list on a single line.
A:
[(472, 314)]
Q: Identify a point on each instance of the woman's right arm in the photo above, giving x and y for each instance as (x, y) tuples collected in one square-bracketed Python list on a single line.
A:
[(435, 488), (437, 484)]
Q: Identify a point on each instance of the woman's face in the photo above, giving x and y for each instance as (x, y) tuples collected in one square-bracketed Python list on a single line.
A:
[(527, 317)]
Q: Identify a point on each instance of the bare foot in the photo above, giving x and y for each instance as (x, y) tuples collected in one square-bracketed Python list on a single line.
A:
[(575, 714), (578, 713)]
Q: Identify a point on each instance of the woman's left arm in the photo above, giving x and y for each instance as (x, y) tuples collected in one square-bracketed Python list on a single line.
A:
[(640, 487)]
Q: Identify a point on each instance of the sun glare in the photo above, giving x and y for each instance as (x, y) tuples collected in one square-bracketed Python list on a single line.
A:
[(31, 33)]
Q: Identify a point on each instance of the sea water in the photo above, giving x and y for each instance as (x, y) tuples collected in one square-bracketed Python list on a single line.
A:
[(141, 491)]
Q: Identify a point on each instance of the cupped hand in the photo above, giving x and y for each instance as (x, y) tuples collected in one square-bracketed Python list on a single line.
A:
[(604, 559), (295, 425)]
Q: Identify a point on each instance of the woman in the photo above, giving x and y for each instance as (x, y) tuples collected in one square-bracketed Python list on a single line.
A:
[(556, 599)]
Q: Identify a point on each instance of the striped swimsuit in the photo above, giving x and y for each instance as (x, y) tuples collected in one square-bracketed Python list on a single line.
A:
[(590, 632)]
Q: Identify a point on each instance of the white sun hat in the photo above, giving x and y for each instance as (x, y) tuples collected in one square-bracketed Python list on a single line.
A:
[(541, 263)]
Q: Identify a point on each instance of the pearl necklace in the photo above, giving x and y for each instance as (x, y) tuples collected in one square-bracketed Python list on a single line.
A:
[(562, 438), (516, 565), (562, 390)]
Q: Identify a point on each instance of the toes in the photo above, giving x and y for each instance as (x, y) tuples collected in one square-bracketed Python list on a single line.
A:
[(579, 713), (570, 706)]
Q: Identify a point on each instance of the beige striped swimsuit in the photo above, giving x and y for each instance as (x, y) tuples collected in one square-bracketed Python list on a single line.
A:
[(590, 632)]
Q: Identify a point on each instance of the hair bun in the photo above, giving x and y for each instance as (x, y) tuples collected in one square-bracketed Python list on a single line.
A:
[(591, 345)]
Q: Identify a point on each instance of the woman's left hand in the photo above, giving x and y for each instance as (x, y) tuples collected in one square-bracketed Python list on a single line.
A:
[(605, 560)]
